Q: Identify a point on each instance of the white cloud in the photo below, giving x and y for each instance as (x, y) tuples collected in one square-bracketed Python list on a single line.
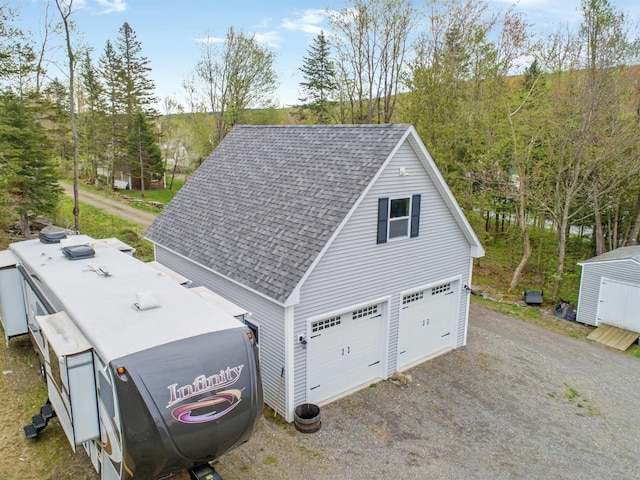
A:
[(264, 23), (111, 6), (313, 16), (308, 21), (209, 40), (271, 39), (292, 25)]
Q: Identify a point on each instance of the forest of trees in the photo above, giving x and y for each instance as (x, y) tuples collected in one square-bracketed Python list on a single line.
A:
[(543, 130)]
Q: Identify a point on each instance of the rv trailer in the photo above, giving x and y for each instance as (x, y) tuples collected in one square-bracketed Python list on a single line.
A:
[(148, 377)]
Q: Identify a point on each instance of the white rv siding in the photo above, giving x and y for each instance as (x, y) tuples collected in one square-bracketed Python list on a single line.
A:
[(267, 314), (592, 273), (355, 269)]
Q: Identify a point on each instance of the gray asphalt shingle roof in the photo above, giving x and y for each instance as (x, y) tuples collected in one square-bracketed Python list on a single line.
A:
[(263, 205), (621, 253)]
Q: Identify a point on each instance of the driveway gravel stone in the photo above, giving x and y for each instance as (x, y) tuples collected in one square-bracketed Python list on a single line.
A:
[(518, 401)]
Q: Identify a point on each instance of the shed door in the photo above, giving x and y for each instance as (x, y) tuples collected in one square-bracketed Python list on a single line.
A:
[(427, 320), (344, 351), (619, 305)]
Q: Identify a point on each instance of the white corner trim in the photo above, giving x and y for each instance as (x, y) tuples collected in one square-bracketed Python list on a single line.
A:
[(289, 373)]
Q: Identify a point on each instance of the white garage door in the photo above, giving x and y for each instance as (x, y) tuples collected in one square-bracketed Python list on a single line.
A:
[(345, 351), (619, 305), (427, 320)]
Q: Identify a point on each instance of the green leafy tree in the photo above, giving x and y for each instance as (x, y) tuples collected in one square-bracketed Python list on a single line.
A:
[(456, 99), (240, 76), (25, 156), (591, 130), (319, 86)]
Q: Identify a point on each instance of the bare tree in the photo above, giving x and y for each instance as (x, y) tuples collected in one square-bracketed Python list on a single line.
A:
[(65, 7), (371, 38)]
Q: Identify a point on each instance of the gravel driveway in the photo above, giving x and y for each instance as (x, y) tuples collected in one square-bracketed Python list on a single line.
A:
[(518, 401)]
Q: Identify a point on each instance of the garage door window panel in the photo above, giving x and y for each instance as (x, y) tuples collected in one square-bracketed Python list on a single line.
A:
[(324, 324)]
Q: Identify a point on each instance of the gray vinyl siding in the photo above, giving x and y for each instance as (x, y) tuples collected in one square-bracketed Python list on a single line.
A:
[(592, 274), (266, 313), (355, 269)]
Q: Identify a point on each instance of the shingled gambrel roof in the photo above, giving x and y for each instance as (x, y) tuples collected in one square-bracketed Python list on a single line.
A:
[(263, 205)]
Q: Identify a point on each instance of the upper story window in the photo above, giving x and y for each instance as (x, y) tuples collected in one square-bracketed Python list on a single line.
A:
[(398, 218)]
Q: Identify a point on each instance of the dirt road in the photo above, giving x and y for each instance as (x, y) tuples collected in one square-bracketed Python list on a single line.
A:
[(112, 206)]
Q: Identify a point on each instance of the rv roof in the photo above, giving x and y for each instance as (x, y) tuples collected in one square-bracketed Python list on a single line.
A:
[(99, 294), (7, 259)]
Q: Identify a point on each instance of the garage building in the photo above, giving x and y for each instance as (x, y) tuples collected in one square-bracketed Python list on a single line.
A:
[(343, 241)]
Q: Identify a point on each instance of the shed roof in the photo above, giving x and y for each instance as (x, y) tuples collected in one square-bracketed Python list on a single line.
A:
[(264, 204), (621, 253)]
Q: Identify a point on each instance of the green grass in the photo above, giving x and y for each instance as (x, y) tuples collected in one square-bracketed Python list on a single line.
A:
[(270, 460), (163, 196), (634, 351), (536, 316), (98, 224), (268, 414)]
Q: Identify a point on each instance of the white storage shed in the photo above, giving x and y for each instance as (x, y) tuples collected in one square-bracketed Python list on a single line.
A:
[(610, 289)]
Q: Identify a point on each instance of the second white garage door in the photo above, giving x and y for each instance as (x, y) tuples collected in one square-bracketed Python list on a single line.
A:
[(427, 322), (345, 351)]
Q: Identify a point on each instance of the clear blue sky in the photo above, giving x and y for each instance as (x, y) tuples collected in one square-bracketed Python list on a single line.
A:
[(169, 29)]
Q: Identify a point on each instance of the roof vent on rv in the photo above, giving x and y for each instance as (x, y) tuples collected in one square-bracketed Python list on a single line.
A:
[(78, 252), (49, 235), (146, 300)]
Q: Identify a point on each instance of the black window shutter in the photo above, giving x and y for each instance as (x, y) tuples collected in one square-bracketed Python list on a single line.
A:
[(415, 215), (383, 219)]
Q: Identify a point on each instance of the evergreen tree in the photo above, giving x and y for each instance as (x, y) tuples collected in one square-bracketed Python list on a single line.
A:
[(138, 87), (54, 116), (111, 74), (91, 117), (17, 57), (25, 155), (320, 79), (143, 150)]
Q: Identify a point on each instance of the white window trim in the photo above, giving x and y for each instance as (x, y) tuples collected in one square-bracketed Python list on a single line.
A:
[(395, 219)]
